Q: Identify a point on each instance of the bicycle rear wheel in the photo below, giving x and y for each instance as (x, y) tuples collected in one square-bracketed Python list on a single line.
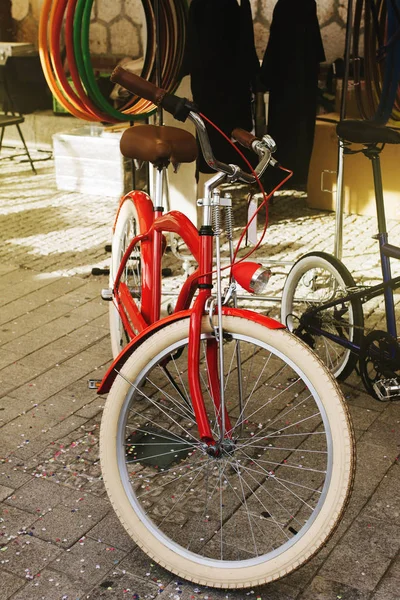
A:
[(277, 490), (317, 278), (126, 228)]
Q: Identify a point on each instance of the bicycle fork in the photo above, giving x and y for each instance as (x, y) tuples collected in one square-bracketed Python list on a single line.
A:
[(213, 345)]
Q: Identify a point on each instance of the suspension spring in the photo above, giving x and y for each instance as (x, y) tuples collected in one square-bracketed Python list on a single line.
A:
[(217, 220), (229, 222)]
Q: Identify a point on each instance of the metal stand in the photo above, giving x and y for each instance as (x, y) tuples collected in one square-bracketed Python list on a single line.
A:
[(159, 117), (158, 54), (338, 249)]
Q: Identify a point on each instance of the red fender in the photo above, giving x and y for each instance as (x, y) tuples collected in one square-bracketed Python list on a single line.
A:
[(121, 359), (144, 207)]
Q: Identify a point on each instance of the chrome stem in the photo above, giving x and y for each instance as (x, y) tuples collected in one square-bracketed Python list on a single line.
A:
[(229, 233), (217, 234)]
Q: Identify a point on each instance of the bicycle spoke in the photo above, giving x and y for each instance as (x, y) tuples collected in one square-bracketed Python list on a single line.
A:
[(279, 525), (285, 428), (236, 499), (271, 476), (247, 512), (238, 422), (185, 412), (176, 440), (154, 403), (267, 403), (190, 486)]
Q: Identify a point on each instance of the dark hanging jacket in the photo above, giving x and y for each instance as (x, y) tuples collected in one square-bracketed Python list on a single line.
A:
[(221, 59), (290, 73)]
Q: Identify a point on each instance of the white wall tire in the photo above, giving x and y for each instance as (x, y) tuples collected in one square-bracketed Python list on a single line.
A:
[(314, 382), (126, 228)]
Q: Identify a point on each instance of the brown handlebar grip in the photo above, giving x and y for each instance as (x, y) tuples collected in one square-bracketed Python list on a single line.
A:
[(245, 138), (137, 85)]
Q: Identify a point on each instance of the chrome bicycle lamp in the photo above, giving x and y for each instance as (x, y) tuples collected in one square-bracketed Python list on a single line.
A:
[(253, 277)]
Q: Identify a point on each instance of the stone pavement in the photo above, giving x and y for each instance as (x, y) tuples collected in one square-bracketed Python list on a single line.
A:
[(59, 536)]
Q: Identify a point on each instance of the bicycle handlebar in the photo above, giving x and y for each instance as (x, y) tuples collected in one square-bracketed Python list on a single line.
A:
[(177, 107), (182, 109), (245, 138)]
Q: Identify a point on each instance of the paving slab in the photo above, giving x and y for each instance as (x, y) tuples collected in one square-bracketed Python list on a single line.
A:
[(38, 496), (64, 526), (51, 491), (92, 408), (50, 585), (140, 566), (19, 300), (5, 492), (10, 584), (123, 585), (7, 358), (47, 384), (89, 562), (325, 589), (362, 571), (10, 408), (385, 502), (110, 531), (13, 521), (26, 555), (32, 320), (12, 474), (390, 585), (362, 418), (27, 448)]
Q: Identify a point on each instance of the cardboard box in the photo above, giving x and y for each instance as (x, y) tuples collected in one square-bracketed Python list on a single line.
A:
[(359, 194), (88, 160)]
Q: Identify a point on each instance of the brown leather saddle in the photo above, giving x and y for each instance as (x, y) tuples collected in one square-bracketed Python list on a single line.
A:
[(159, 145)]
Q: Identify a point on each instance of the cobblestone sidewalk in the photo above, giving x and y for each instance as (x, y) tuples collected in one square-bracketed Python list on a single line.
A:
[(59, 536)]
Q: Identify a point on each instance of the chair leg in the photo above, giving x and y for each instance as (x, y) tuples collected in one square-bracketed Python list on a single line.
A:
[(26, 148), (1, 137)]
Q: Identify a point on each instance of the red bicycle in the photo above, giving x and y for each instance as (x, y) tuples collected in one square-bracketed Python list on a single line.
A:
[(226, 446)]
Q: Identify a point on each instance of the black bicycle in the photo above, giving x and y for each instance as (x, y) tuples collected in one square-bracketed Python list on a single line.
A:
[(322, 304)]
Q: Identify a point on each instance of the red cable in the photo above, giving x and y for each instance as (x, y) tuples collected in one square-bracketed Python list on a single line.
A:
[(263, 203)]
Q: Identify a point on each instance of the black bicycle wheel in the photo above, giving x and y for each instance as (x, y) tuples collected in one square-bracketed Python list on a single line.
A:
[(315, 279)]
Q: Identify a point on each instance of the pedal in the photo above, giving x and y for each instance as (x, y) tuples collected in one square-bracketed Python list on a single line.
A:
[(388, 389), (107, 294), (107, 247), (97, 271), (94, 384)]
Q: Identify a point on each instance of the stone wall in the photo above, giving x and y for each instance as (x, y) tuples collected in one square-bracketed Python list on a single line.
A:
[(117, 25)]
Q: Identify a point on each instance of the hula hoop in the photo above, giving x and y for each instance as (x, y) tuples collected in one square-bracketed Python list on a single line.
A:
[(85, 100), (47, 67), (55, 25)]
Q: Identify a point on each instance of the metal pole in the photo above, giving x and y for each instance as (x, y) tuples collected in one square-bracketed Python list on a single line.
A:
[(338, 250), (158, 54)]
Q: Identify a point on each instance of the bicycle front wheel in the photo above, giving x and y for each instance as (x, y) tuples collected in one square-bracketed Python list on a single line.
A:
[(126, 228), (275, 492), (315, 279)]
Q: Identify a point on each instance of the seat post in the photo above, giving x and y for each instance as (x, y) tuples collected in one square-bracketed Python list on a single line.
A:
[(377, 173), (159, 188), (157, 243)]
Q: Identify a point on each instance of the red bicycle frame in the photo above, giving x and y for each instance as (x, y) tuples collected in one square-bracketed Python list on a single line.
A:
[(152, 243)]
